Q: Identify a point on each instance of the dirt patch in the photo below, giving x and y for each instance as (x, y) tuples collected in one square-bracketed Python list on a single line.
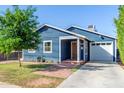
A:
[(120, 63), (43, 82), (61, 73), (57, 70)]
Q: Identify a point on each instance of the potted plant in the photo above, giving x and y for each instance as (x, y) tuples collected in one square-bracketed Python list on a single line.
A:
[(43, 59), (39, 59)]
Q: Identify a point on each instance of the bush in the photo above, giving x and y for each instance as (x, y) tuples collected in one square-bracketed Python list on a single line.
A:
[(119, 22), (43, 59)]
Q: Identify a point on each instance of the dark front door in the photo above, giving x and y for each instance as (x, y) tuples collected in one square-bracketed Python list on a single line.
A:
[(82, 50), (74, 50)]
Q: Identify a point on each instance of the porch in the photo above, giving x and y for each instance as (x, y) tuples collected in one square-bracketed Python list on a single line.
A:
[(73, 49)]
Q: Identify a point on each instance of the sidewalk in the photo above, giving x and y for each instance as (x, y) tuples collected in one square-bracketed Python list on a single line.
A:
[(5, 85)]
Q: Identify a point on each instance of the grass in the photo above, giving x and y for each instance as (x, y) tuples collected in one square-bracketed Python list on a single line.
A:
[(74, 69), (13, 74)]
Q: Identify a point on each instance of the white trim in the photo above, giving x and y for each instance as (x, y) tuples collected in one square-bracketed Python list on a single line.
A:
[(112, 44), (63, 38), (31, 51), (62, 30), (45, 41), (92, 31), (84, 50), (102, 42), (59, 49), (115, 50), (78, 50), (71, 47), (68, 37)]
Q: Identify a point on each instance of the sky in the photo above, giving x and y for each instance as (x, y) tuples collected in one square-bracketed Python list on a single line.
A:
[(66, 15)]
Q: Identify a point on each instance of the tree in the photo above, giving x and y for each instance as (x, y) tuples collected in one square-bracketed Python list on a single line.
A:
[(119, 22), (18, 30)]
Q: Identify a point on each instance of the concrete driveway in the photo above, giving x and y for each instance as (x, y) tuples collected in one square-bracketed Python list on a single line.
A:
[(96, 75)]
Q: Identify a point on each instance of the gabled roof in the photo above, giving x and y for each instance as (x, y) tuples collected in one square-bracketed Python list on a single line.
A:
[(80, 28), (62, 30)]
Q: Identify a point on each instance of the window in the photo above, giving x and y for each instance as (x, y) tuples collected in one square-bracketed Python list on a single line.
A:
[(93, 44), (31, 51), (102, 43), (108, 43), (97, 44), (47, 46)]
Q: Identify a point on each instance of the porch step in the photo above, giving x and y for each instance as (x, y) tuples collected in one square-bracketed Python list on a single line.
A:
[(73, 62)]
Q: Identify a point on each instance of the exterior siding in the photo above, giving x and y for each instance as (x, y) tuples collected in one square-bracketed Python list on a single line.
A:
[(65, 49), (47, 34), (95, 37), (86, 50), (114, 50)]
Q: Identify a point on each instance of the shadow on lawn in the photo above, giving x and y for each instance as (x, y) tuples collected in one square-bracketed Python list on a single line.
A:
[(51, 67), (37, 66), (93, 66)]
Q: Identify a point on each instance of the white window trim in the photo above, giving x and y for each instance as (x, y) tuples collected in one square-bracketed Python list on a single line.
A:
[(45, 41), (101, 43), (31, 51)]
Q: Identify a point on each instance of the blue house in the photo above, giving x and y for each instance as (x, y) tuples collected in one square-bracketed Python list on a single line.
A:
[(73, 44)]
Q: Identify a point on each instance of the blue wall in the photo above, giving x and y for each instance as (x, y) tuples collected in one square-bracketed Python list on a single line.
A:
[(94, 37), (47, 33), (66, 49)]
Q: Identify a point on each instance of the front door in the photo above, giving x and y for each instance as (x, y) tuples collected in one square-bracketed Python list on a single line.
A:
[(82, 50), (74, 50)]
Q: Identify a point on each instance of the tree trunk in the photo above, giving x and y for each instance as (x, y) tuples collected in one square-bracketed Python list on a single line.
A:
[(6, 58), (20, 64)]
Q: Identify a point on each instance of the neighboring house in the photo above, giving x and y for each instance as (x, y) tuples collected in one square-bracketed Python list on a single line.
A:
[(12, 56), (73, 44)]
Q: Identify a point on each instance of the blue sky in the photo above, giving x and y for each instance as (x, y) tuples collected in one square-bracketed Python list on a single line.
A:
[(65, 16)]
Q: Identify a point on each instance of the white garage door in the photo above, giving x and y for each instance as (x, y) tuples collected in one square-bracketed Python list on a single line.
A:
[(101, 51)]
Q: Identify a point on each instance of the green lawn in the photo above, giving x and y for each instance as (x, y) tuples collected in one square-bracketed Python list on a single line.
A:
[(22, 76)]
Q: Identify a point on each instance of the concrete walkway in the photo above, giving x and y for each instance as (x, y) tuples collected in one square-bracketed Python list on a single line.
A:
[(5, 85), (96, 75)]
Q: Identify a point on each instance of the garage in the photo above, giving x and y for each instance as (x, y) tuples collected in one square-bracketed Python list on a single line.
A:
[(101, 51)]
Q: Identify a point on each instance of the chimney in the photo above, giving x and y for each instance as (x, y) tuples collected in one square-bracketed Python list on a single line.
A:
[(91, 28)]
